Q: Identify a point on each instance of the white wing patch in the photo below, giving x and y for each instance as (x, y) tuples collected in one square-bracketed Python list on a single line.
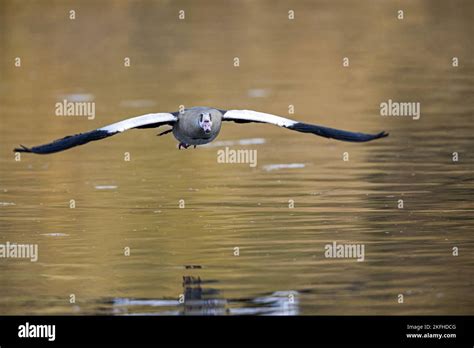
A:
[(249, 115), (139, 121)]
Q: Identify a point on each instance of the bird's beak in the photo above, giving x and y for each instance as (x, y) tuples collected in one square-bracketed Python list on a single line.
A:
[(206, 126), (206, 123)]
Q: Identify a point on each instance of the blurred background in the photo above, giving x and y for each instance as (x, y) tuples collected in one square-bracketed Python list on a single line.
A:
[(182, 261)]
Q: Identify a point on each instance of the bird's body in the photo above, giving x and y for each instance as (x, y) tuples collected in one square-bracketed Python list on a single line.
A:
[(188, 131), (197, 126)]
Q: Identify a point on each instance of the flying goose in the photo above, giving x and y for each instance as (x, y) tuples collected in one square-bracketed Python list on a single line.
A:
[(196, 126)]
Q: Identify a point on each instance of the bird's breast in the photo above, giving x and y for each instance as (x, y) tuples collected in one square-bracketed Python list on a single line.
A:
[(192, 134)]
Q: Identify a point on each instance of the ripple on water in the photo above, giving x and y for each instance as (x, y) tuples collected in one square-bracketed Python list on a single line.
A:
[(55, 234), (250, 141), (6, 204), (270, 167), (105, 187)]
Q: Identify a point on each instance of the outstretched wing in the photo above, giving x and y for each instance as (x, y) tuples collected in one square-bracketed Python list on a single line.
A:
[(145, 121), (244, 116)]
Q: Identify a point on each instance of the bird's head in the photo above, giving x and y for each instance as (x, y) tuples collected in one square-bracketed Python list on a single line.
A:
[(205, 122)]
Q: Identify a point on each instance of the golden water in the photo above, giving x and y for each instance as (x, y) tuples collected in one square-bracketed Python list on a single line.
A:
[(190, 251)]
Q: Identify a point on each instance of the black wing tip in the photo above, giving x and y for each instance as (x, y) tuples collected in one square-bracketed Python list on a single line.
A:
[(66, 142), (22, 149), (362, 138), (382, 134), (337, 134)]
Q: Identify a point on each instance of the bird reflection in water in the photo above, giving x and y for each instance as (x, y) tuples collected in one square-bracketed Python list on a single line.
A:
[(200, 297)]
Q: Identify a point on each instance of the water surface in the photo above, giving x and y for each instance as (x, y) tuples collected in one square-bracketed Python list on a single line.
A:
[(281, 267)]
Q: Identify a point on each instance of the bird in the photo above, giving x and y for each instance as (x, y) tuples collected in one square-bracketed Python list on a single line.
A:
[(196, 126)]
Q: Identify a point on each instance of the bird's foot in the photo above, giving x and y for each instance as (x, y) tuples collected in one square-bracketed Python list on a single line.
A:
[(183, 145)]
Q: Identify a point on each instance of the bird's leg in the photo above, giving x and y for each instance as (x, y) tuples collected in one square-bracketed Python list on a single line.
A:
[(181, 144), (195, 146)]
